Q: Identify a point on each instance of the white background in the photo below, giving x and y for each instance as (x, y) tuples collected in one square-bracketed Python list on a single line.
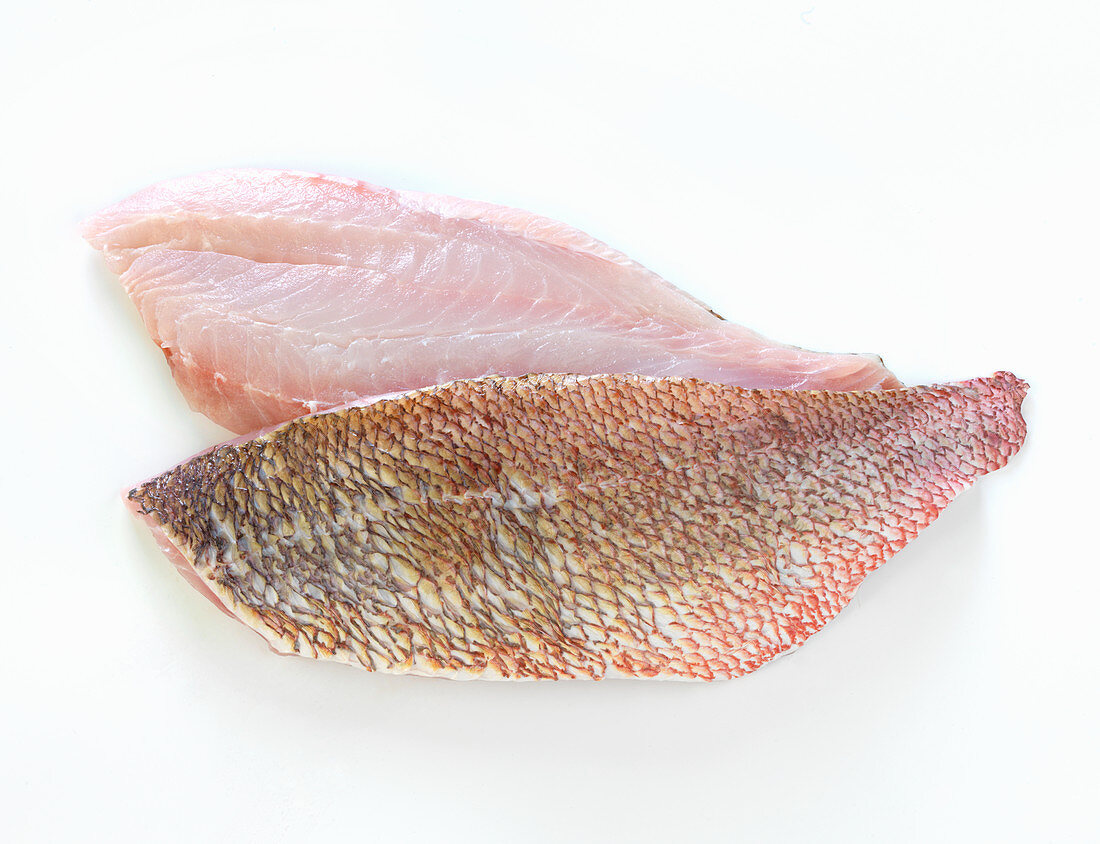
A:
[(920, 180)]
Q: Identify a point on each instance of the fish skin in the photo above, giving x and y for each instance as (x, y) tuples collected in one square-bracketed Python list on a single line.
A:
[(277, 293), (557, 526)]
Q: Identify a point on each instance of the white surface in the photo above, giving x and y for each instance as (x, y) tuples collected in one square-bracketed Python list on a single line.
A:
[(919, 180)]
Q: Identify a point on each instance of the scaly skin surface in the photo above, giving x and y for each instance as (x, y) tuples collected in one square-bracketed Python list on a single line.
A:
[(565, 526)]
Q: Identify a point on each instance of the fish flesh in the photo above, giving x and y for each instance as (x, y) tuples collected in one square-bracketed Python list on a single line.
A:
[(275, 294), (558, 526)]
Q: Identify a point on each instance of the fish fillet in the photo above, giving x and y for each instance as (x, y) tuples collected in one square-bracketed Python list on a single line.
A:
[(274, 294), (570, 526)]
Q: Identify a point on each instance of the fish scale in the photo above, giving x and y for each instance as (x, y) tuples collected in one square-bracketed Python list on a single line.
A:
[(509, 528)]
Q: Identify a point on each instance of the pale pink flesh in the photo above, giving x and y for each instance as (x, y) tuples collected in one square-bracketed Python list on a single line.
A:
[(276, 293)]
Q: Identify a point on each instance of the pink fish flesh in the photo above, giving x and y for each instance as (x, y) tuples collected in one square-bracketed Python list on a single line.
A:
[(275, 294)]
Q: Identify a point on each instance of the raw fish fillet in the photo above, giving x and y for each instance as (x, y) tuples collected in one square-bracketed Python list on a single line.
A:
[(568, 526), (275, 294)]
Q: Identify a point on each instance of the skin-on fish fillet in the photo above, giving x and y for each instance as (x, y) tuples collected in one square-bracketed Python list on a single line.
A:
[(569, 526), (275, 294)]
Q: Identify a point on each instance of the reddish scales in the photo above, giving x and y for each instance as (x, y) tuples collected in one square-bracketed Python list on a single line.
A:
[(566, 526)]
